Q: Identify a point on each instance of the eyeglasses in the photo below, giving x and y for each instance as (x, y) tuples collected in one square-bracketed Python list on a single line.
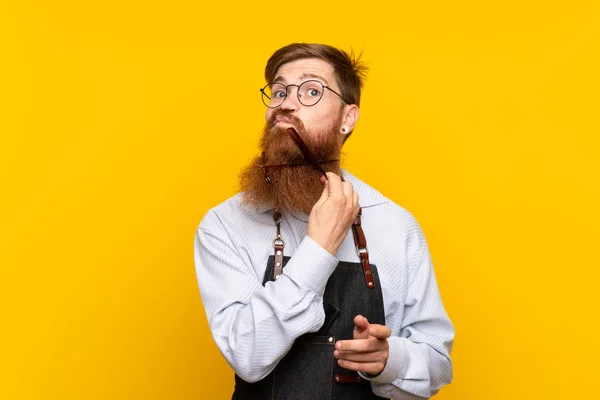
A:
[(309, 93)]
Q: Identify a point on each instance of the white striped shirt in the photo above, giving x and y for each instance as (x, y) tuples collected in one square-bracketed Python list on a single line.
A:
[(254, 326)]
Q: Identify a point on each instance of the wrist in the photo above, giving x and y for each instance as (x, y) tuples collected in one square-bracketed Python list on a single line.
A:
[(331, 248)]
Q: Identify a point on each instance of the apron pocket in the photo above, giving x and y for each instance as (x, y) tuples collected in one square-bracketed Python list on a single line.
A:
[(307, 372)]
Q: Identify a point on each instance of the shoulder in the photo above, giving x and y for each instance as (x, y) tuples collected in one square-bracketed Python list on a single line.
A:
[(225, 213), (394, 214), (390, 223), (380, 207), (232, 214), (403, 231)]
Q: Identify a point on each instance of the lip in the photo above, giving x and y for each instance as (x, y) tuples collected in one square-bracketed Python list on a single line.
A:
[(281, 119), (283, 122)]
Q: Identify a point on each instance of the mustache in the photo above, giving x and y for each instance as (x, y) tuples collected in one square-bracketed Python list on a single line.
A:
[(285, 116)]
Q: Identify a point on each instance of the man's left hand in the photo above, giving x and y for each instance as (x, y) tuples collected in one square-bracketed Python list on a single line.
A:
[(368, 351)]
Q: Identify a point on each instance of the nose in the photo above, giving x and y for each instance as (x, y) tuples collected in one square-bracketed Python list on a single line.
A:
[(291, 103)]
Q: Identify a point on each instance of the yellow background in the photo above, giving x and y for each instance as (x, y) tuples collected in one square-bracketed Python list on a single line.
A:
[(123, 122)]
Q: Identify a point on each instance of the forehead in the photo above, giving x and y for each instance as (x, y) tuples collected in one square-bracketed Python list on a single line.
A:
[(299, 70)]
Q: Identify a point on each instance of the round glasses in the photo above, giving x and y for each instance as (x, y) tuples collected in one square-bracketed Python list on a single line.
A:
[(309, 93)]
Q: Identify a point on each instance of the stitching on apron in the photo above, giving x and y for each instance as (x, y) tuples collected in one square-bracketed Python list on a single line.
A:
[(331, 376), (273, 386)]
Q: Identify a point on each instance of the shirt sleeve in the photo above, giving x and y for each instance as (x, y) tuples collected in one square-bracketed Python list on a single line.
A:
[(253, 325), (419, 362)]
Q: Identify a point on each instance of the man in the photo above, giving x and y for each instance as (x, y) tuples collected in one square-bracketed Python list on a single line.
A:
[(316, 313)]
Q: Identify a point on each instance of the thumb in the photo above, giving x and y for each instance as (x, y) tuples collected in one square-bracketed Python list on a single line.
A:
[(380, 331)]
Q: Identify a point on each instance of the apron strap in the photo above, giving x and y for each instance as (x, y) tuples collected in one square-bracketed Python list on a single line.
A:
[(278, 245), (362, 250)]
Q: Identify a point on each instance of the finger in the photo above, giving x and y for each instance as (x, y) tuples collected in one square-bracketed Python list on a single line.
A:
[(361, 321), (348, 191), (335, 183), (369, 368), (379, 331), (360, 345), (373, 356), (324, 196), (361, 327)]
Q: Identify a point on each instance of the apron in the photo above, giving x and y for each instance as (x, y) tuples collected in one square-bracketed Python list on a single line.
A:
[(309, 371)]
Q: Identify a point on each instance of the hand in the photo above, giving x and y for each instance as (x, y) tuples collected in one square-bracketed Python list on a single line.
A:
[(332, 215), (369, 350)]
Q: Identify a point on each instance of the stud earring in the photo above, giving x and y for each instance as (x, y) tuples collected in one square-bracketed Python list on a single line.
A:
[(344, 130)]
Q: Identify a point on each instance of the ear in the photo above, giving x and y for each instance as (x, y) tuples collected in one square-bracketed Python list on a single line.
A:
[(351, 114)]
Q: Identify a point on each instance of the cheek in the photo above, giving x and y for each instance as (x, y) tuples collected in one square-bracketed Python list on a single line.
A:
[(325, 119), (316, 119)]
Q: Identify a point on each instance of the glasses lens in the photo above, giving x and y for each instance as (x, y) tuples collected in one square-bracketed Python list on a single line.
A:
[(310, 92), (273, 95)]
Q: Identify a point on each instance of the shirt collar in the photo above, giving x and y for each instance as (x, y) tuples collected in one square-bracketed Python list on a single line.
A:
[(367, 196)]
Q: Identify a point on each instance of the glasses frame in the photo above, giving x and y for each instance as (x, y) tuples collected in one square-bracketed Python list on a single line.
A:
[(262, 90)]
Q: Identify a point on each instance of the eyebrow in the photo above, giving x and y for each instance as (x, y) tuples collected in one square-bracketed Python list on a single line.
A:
[(303, 76)]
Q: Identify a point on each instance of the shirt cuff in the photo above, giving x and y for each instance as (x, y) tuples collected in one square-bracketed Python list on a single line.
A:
[(394, 367), (311, 266)]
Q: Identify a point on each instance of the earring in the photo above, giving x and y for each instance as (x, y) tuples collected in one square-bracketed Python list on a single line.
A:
[(344, 130)]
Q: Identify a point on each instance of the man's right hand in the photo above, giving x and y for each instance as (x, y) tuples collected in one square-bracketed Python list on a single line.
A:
[(332, 215)]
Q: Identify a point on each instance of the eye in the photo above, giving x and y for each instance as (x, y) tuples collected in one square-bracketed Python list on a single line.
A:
[(279, 94), (311, 90), (314, 92)]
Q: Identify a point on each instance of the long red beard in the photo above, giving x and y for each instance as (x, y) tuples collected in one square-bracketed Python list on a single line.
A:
[(292, 188)]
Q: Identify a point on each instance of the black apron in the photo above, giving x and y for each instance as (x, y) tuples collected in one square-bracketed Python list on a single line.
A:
[(309, 371)]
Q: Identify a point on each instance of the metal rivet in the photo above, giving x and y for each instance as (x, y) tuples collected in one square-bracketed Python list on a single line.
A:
[(278, 252), (337, 378), (368, 272), (276, 276), (278, 263), (331, 340), (370, 284), (364, 261)]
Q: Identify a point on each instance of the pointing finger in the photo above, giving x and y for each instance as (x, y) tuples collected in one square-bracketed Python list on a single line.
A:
[(361, 326), (360, 345)]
